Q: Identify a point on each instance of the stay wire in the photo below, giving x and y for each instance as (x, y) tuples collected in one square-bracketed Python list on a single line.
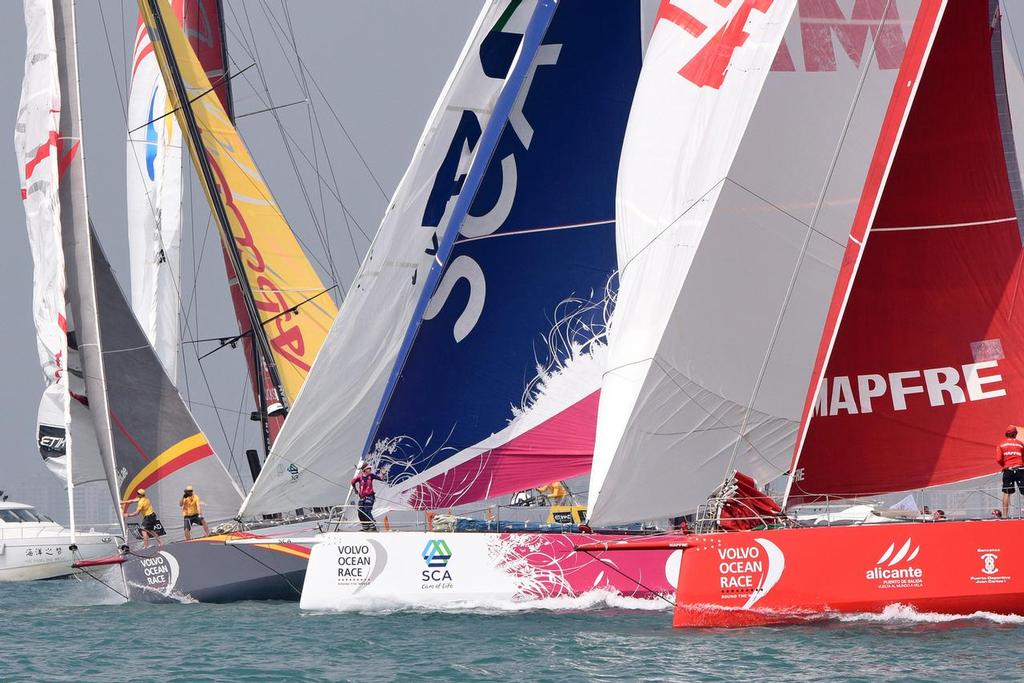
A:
[(610, 565)]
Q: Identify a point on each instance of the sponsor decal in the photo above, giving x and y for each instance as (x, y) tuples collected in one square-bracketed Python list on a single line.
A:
[(160, 572), (943, 386), (293, 470), (750, 571), (988, 564), (436, 554), (895, 568), (52, 441), (359, 564)]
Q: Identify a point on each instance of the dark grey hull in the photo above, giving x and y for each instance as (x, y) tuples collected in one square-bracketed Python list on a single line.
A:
[(212, 571)]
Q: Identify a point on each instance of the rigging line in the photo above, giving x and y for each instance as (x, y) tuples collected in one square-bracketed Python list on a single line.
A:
[(347, 215), (113, 64), (311, 116), (213, 86), (291, 585), (238, 424), (553, 228), (295, 169), (610, 565), (265, 110), (866, 68), (312, 78), (101, 581)]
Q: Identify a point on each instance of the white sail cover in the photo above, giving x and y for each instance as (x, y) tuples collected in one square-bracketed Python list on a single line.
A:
[(742, 169), (334, 413), (154, 174), (40, 153)]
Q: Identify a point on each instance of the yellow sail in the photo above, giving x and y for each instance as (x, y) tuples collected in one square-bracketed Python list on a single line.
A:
[(279, 275)]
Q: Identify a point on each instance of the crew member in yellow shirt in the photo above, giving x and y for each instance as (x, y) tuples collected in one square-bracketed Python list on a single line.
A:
[(144, 508), (192, 511)]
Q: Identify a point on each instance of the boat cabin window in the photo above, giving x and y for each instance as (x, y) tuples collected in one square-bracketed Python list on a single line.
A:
[(9, 517), (27, 515)]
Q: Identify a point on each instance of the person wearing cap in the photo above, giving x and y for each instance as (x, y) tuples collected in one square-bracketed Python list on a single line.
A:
[(1010, 456), (362, 486), (144, 508), (192, 511)]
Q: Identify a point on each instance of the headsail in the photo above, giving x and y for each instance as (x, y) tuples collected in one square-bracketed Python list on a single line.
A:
[(283, 291), (924, 356), (154, 193), (741, 172), (518, 258)]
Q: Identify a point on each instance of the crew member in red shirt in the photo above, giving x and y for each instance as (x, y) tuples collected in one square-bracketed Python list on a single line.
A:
[(1010, 456)]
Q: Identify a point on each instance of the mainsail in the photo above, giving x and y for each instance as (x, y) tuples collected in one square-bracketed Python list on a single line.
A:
[(467, 356), (742, 171), (283, 296), (922, 358)]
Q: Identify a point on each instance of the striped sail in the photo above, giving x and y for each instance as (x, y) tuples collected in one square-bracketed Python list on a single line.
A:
[(289, 297)]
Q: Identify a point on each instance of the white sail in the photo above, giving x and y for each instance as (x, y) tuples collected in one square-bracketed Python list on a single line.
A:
[(741, 173), (336, 409), (154, 174)]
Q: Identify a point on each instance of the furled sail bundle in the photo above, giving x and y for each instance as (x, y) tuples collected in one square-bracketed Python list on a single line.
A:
[(145, 435), (287, 308), (42, 159), (758, 142), (466, 359)]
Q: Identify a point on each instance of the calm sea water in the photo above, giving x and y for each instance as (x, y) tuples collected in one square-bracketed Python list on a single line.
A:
[(74, 631)]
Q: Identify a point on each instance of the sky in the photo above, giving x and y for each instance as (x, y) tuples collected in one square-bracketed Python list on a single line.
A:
[(379, 64)]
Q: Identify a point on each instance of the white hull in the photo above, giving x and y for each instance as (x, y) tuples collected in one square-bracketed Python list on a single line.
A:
[(43, 552)]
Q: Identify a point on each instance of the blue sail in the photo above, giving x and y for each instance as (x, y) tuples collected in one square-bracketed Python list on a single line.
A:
[(498, 390)]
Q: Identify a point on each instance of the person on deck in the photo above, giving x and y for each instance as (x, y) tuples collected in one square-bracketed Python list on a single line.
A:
[(1010, 456), (556, 493), (144, 508), (362, 486), (192, 512)]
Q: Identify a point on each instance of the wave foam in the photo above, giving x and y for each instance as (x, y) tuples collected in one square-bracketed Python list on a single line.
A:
[(591, 600), (899, 613)]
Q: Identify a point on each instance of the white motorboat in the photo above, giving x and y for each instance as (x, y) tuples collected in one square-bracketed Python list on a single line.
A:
[(33, 546)]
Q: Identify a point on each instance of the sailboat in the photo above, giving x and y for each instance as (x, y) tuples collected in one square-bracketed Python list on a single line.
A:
[(466, 360), (180, 84), (110, 412), (836, 241)]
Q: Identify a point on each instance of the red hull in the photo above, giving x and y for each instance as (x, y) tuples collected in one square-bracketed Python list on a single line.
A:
[(758, 577)]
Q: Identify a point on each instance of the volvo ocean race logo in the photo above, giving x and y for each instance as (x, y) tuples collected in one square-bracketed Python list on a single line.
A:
[(359, 564), (894, 569), (750, 571), (436, 555), (160, 572)]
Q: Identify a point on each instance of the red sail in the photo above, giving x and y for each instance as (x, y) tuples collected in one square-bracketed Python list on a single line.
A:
[(927, 367)]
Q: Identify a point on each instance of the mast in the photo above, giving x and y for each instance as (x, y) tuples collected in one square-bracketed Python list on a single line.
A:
[(78, 247), (191, 130)]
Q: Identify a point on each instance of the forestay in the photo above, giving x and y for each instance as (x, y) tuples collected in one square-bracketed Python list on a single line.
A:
[(750, 138)]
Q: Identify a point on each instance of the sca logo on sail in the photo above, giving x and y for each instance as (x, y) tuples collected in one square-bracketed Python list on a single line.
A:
[(436, 554)]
